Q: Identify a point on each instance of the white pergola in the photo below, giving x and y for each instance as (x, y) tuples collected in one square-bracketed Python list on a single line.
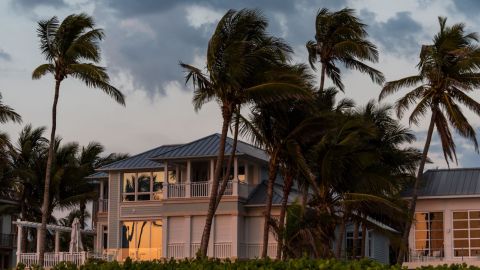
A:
[(56, 228)]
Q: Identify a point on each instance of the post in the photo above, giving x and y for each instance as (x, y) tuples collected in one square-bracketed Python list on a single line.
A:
[(38, 240), (19, 240), (165, 180), (188, 237), (235, 177), (188, 180), (165, 237), (57, 241)]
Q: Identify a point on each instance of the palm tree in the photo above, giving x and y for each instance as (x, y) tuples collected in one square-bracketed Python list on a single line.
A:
[(240, 56), (447, 71), (71, 50), (341, 37)]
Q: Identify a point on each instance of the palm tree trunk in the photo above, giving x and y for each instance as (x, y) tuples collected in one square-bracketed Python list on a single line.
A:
[(83, 207), (322, 77), (272, 174), (287, 187), (355, 239), (413, 201), (364, 237), (225, 179), (227, 116), (341, 236), (46, 192)]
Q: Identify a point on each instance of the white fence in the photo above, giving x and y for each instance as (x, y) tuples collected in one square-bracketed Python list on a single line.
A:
[(202, 189), (252, 251), (52, 259), (176, 250)]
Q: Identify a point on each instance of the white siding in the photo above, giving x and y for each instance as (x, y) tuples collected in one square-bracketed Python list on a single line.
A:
[(176, 229), (380, 248), (223, 229)]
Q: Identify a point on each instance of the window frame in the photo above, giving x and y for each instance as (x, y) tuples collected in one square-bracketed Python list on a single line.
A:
[(137, 191), (469, 238), (429, 249)]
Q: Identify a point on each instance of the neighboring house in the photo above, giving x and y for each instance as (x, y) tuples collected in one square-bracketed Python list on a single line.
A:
[(7, 238), (142, 215), (446, 228)]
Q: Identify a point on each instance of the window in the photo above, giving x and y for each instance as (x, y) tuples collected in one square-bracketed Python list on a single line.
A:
[(241, 173), (105, 237), (466, 233), (429, 233), (142, 240), (358, 245), (142, 186)]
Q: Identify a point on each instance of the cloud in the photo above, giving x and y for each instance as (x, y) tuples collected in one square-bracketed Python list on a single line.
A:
[(400, 35), (4, 55), (470, 8), (31, 4)]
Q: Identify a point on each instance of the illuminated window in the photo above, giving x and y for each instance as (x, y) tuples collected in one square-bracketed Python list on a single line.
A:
[(142, 186), (142, 240), (429, 233), (466, 234)]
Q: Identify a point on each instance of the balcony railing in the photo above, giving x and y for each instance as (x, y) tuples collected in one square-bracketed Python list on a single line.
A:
[(103, 205), (7, 240), (202, 189), (425, 255)]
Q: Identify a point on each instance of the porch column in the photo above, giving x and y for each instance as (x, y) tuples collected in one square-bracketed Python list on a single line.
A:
[(100, 201), (247, 173), (188, 237), (235, 177), (165, 237), (19, 240), (212, 169), (38, 239), (165, 180), (188, 180), (57, 241), (235, 239)]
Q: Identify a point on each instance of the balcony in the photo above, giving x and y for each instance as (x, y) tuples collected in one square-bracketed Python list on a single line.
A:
[(202, 189), (102, 205), (7, 240)]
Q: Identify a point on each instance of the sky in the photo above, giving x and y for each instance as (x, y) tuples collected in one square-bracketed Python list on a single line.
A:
[(146, 39)]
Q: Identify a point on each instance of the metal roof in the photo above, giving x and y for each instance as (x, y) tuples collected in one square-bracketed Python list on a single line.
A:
[(450, 182), (139, 161), (259, 195), (208, 147), (97, 175)]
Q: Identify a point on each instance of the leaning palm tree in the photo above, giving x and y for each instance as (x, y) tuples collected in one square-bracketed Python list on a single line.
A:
[(240, 57), (71, 50), (448, 72), (341, 37)]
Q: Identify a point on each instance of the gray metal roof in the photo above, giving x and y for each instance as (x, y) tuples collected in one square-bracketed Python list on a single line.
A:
[(208, 147), (140, 161), (259, 195), (450, 182), (97, 175)]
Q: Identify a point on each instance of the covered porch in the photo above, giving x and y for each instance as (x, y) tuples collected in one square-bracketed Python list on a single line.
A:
[(51, 258)]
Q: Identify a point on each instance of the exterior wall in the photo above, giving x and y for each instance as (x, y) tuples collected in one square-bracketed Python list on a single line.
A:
[(113, 211), (380, 247), (447, 206)]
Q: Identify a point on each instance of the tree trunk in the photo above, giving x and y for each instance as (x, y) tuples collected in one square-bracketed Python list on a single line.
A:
[(341, 236), (413, 201), (355, 239), (83, 207), (272, 174), (304, 195), (46, 192), (287, 187), (227, 116), (223, 186), (364, 237), (322, 77)]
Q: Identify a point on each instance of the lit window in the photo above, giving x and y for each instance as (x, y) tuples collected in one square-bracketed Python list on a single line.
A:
[(142, 240), (466, 234), (429, 234), (142, 186)]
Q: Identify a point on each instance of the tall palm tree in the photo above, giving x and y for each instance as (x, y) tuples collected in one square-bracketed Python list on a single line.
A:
[(448, 71), (240, 54), (71, 50), (341, 37)]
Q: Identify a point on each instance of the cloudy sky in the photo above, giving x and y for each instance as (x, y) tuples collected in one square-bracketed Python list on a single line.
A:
[(145, 40)]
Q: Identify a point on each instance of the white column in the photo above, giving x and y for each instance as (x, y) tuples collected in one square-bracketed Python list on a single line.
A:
[(19, 240), (188, 180), (165, 237), (165, 180), (247, 173), (212, 169), (188, 237), (211, 246), (235, 177), (235, 238), (38, 239), (57, 241)]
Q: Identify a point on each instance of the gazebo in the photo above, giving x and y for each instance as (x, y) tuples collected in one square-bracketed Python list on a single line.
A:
[(51, 258)]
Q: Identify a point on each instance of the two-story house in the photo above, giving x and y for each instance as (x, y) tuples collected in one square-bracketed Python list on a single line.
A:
[(7, 237), (154, 204)]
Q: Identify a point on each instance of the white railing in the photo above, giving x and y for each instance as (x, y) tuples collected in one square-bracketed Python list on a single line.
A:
[(222, 250), (229, 189), (140, 253), (52, 259), (200, 189), (252, 251), (103, 205), (176, 250), (194, 247), (176, 190)]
